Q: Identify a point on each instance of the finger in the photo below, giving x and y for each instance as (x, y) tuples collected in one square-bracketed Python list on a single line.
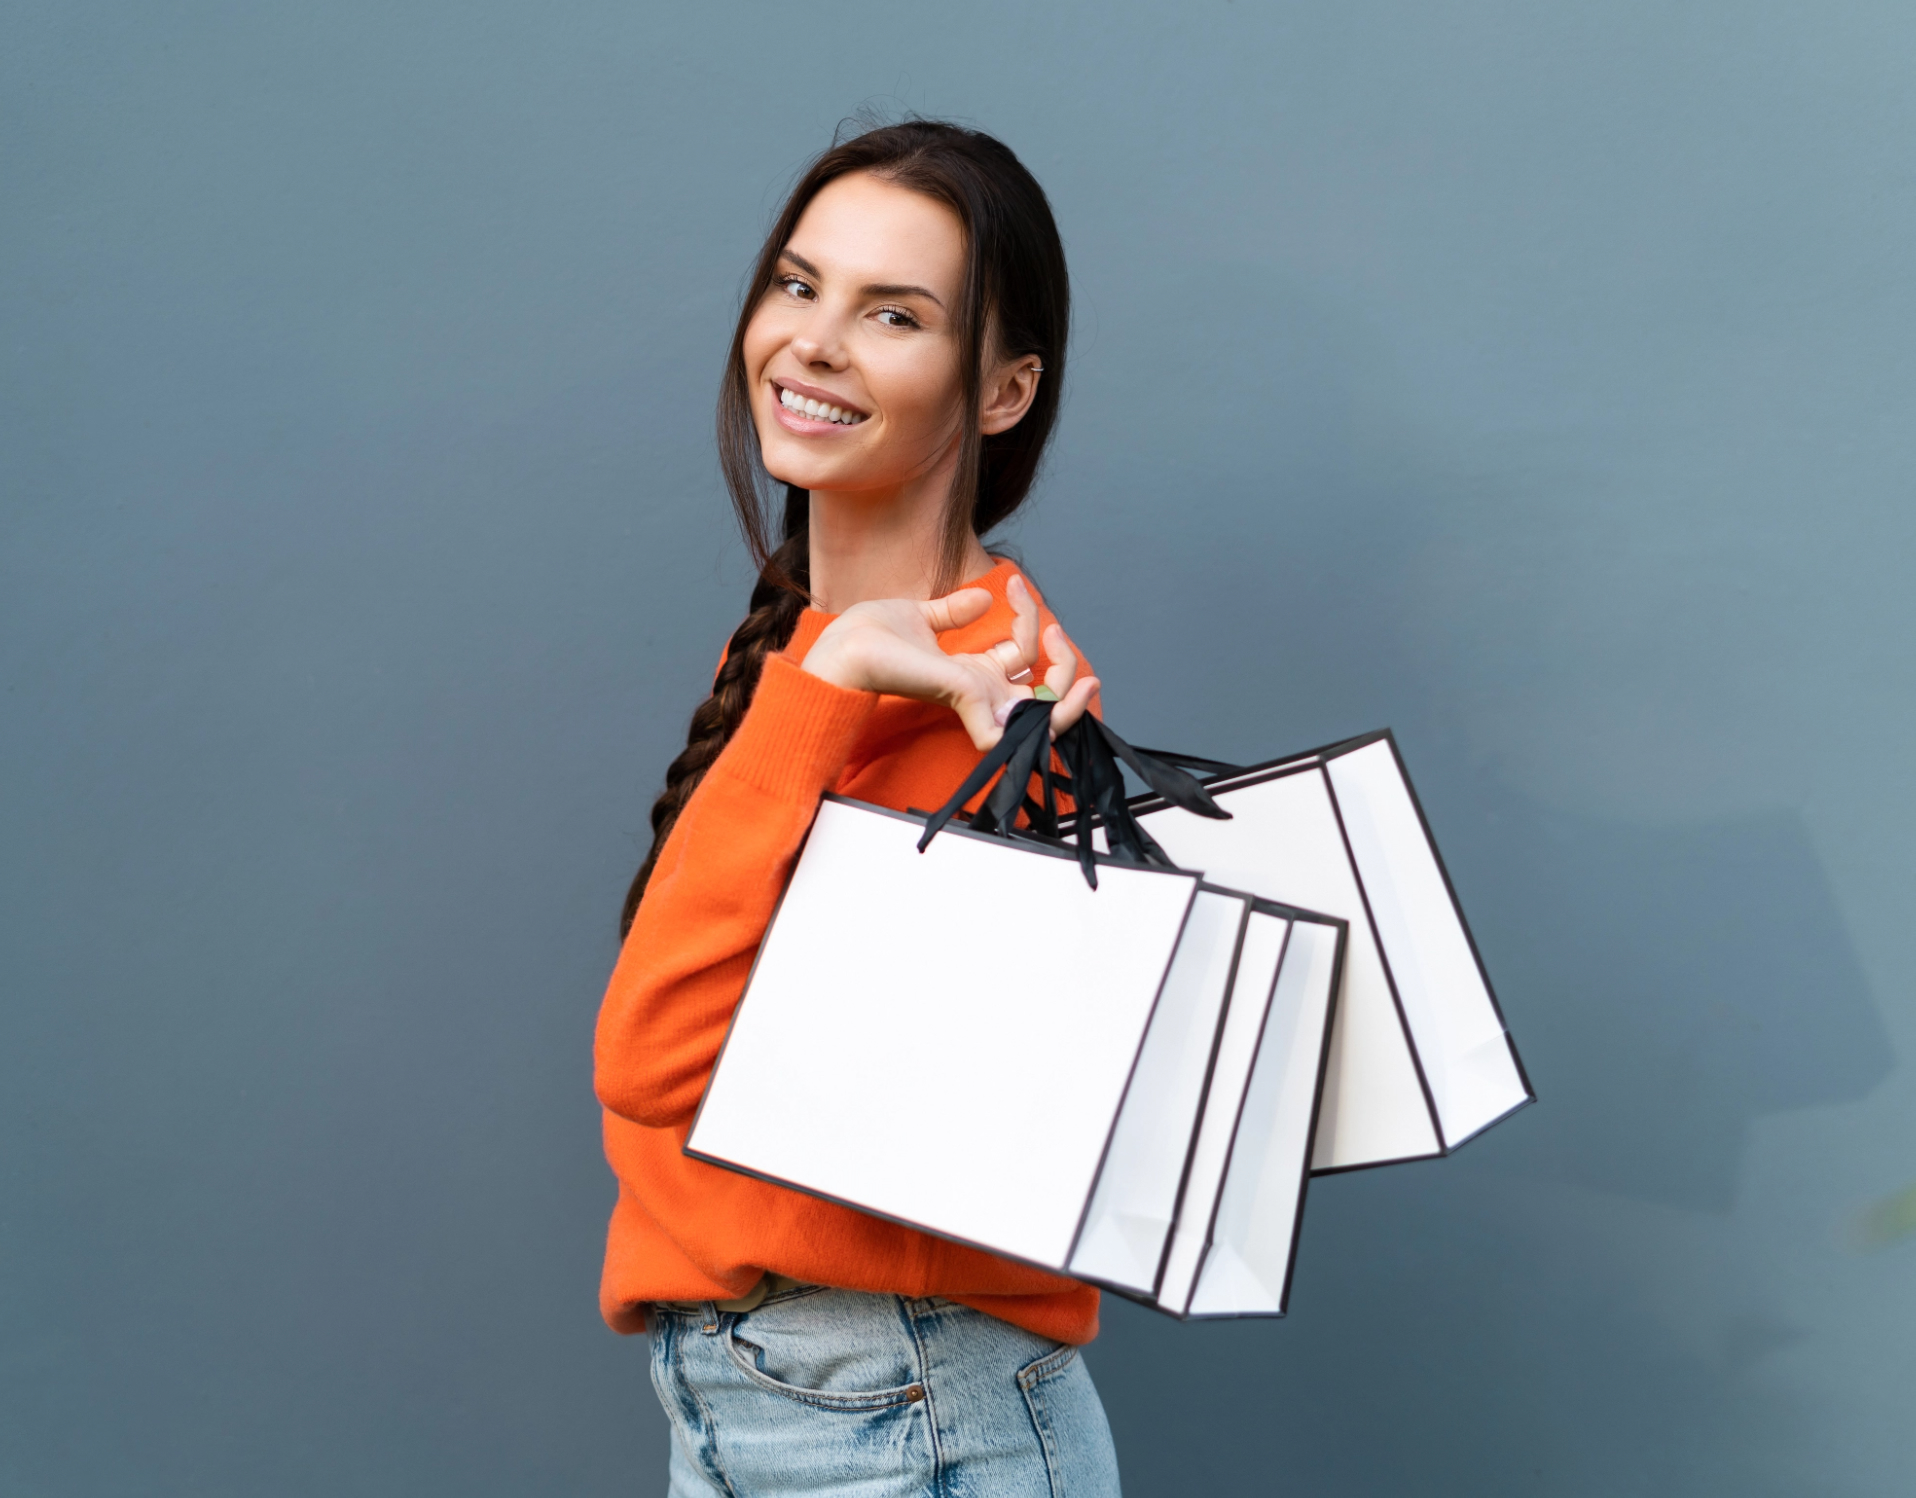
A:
[(1024, 622), (1074, 704), (1064, 662), (1009, 658), (983, 720), (985, 702), (955, 610), (1001, 715)]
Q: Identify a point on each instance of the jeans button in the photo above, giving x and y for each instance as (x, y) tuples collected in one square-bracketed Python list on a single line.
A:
[(915, 1393)]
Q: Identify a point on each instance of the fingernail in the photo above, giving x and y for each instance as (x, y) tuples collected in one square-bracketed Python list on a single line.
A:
[(1003, 715)]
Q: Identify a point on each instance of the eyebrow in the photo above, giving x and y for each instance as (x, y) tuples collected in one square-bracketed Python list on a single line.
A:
[(883, 288)]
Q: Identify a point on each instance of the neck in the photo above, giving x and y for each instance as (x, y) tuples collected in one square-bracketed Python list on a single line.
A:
[(870, 544)]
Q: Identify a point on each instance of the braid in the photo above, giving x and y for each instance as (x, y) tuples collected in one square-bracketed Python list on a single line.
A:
[(777, 601)]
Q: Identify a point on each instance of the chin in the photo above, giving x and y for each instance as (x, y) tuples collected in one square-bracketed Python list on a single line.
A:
[(795, 461), (801, 475)]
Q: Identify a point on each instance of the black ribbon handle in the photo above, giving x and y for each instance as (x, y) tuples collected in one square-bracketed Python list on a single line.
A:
[(1091, 753), (1208, 767)]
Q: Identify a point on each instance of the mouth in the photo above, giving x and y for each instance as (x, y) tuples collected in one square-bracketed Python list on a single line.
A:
[(815, 411)]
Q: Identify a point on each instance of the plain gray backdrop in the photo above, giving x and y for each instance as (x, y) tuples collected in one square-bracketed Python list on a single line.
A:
[(1536, 379)]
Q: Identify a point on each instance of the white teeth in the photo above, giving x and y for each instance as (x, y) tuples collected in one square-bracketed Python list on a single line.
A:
[(817, 410)]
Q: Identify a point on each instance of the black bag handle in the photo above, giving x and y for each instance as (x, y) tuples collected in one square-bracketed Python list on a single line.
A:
[(1091, 753), (1210, 767)]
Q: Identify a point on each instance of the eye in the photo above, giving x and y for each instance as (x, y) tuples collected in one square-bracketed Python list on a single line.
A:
[(797, 288), (895, 317)]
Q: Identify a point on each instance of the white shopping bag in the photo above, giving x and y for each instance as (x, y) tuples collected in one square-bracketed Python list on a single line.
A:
[(1420, 1057), (943, 1038), (1199, 1205)]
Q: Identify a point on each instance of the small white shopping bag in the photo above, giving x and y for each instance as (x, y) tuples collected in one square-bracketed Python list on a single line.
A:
[(1198, 1208)]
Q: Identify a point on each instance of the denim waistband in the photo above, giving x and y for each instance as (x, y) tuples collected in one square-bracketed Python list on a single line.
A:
[(771, 1286)]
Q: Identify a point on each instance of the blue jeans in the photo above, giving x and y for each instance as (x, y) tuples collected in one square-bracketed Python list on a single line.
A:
[(879, 1396)]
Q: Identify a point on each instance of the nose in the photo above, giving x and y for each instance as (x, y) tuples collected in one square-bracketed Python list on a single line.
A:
[(821, 346)]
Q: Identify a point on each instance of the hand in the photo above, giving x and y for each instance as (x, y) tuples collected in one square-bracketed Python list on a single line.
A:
[(891, 645)]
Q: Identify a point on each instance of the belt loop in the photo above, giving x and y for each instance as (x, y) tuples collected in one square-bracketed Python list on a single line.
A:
[(711, 1310)]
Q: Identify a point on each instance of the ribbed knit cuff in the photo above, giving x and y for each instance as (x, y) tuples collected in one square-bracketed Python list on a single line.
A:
[(797, 734)]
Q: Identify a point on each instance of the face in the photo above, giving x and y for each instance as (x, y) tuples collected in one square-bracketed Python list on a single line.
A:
[(852, 355)]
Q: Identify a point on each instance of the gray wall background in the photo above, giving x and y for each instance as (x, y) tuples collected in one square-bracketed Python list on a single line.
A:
[(1537, 379)]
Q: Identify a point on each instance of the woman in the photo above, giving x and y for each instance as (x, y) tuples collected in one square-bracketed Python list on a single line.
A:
[(896, 366)]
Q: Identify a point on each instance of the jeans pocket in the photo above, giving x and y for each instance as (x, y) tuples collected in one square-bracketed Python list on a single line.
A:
[(843, 1353)]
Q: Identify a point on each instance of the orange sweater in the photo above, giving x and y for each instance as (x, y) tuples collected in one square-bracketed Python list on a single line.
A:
[(685, 1230)]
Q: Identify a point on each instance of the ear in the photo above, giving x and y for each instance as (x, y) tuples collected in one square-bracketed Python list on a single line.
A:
[(1008, 393)]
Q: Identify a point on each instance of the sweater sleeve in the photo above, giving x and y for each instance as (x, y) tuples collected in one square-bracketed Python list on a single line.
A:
[(712, 893)]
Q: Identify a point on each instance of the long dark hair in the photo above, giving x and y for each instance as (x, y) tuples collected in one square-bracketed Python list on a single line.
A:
[(1016, 300)]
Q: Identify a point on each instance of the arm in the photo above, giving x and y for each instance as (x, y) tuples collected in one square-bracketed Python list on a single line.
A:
[(712, 894)]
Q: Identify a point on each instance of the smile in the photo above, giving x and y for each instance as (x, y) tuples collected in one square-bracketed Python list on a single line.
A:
[(815, 410)]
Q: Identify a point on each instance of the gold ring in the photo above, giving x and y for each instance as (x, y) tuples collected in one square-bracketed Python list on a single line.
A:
[(1022, 674)]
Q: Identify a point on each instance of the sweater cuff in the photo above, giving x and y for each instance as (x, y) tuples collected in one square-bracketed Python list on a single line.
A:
[(797, 734)]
